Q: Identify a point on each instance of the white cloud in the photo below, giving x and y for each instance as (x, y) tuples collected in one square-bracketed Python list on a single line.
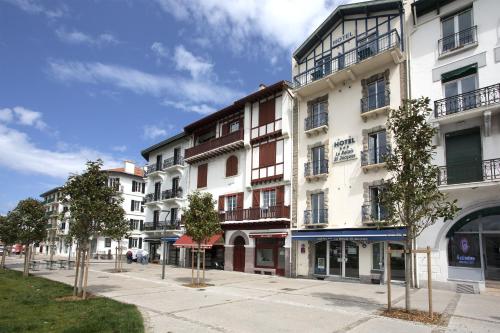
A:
[(20, 154), (35, 7), (185, 60), (198, 108), (78, 37), (153, 132), (201, 90), (160, 51), (120, 149), (282, 23), (23, 116)]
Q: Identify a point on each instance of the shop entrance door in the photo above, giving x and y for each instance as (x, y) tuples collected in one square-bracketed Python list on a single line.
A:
[(492, 252), (335, 258), (351, 259), (239, 254)]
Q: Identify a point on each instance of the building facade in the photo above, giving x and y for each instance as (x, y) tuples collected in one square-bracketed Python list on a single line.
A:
[(346, 77), (455, 61), (166, 192), (241, 155)]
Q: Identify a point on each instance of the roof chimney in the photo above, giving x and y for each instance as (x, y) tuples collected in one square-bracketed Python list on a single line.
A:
[(130, 167), (262, 86)]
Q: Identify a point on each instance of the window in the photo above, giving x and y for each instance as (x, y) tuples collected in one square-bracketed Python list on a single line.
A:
[(134, 224), (138, 186), (158, 162), (173, 214), (234, 126), (377, 147), (231, 166), (319, 165), (107, 242), (320, 258), (378, 256), (175, 184), (367, 46), (317, 115), (157, 193), (268, 198), (202, 175), (133, 242), (136, 206), (267, 251), (458, 30), (267, 112), (114, 183), (377, 211), (318, 208), (463, 250), (267, 154), (376, 94), (231, 202), (458, 93), (156, 216), (177, 156), (323, 67)]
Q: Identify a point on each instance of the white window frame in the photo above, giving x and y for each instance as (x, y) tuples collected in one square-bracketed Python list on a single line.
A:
[(268, 198), (231, 202), (234, 126), (459, 84)]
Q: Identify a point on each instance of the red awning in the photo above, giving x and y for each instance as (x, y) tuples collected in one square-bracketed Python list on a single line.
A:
[(269, 235), (186, 241)]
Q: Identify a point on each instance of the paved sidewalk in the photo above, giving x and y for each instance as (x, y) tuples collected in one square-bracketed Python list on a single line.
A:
[(239, 302)]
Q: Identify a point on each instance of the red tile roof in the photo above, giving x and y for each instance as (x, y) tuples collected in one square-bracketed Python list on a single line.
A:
[(137, 172)]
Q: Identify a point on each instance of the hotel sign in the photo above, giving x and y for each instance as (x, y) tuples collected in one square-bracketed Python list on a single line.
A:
[(341, 39), (343, 150)]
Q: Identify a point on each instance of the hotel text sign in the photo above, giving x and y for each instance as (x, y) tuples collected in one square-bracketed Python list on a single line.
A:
[(341, 39), (343, 150)]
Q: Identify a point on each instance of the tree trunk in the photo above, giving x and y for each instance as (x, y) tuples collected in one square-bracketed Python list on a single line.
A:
[(77, 270), (86, 274), (407, 272), (116, 259), (203, 267), (3, 256), (27, 261), (82, 270), (415, 281), (198, 265)]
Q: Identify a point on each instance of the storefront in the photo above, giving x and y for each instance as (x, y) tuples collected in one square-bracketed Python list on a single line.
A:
[(213, 248), (349, 253)]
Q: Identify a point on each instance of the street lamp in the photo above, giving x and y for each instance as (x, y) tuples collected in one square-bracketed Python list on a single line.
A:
[(164, 261)]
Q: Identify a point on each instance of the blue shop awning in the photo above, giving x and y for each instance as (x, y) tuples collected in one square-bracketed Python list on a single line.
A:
[(170, 239), (376, 235)]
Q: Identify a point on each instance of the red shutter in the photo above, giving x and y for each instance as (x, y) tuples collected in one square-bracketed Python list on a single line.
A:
[(256, 198), (266, 112), (267, 154), (225, 129), (239, 200), (280, 195), (202, 175), (231, 166), (221, 203)]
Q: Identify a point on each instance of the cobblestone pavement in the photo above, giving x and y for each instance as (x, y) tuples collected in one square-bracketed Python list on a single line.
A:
[(239, 302)]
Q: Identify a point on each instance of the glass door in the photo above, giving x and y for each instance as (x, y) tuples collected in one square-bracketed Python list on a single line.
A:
[(492, 251), (397, 263), (335, 259), (351, 259)]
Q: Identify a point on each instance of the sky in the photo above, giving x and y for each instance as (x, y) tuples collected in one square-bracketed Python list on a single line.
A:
[(81, 80)]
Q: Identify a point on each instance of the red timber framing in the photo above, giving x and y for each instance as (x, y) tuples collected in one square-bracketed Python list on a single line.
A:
[(266, 120), (267, 161)]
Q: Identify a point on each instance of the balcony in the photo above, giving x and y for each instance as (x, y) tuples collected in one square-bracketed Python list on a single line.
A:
[(316, 123), (172, 163), (316, 218), (316, 170), (471, 173), (162, 225), (373, 213), (152, 197), (467, 105), (215, 147), (374, 105), (171, 194), (255, 214), (347, 66), (458, 41), (151, 169), (374, 158), (269, 130)]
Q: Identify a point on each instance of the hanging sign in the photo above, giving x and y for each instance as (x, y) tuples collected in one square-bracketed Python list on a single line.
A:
[(343, 150)]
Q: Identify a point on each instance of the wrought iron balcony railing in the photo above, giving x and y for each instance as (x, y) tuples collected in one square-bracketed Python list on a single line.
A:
[(319, 216), (375, 101), (173, 224), (373, 212), (467, 101), (315, 168), (152, 168), (172, 193), (361, 52), (375, 156), (469, 172), (171, 161), (316, 120), (457, 40), (257, 213), (152, 197)]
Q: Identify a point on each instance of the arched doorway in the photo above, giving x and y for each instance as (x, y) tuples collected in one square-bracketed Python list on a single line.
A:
[(239, 254)]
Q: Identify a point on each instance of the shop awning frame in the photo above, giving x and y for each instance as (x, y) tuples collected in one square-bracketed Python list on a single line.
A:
[(268, 234), (368, 235), (187, 242)]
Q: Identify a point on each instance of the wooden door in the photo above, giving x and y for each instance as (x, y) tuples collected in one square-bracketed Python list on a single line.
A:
[(239, 255)]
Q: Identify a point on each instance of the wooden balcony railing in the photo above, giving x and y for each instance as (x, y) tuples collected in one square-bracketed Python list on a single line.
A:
[(253, 214), (214, 144)]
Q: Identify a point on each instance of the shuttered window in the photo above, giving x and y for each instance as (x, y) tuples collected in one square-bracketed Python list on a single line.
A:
[(202, 175), (267, 154), (231, 166), (256, 198), (266, 112)]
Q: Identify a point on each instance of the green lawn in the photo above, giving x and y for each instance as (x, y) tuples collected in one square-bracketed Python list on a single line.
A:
[(29, 305)]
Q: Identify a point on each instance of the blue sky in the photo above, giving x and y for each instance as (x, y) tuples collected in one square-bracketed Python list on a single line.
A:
[(106, 78)]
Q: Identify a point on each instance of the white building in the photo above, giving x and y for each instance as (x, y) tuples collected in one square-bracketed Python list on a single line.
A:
[(166, 187), (346, 76), (454, 57)]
